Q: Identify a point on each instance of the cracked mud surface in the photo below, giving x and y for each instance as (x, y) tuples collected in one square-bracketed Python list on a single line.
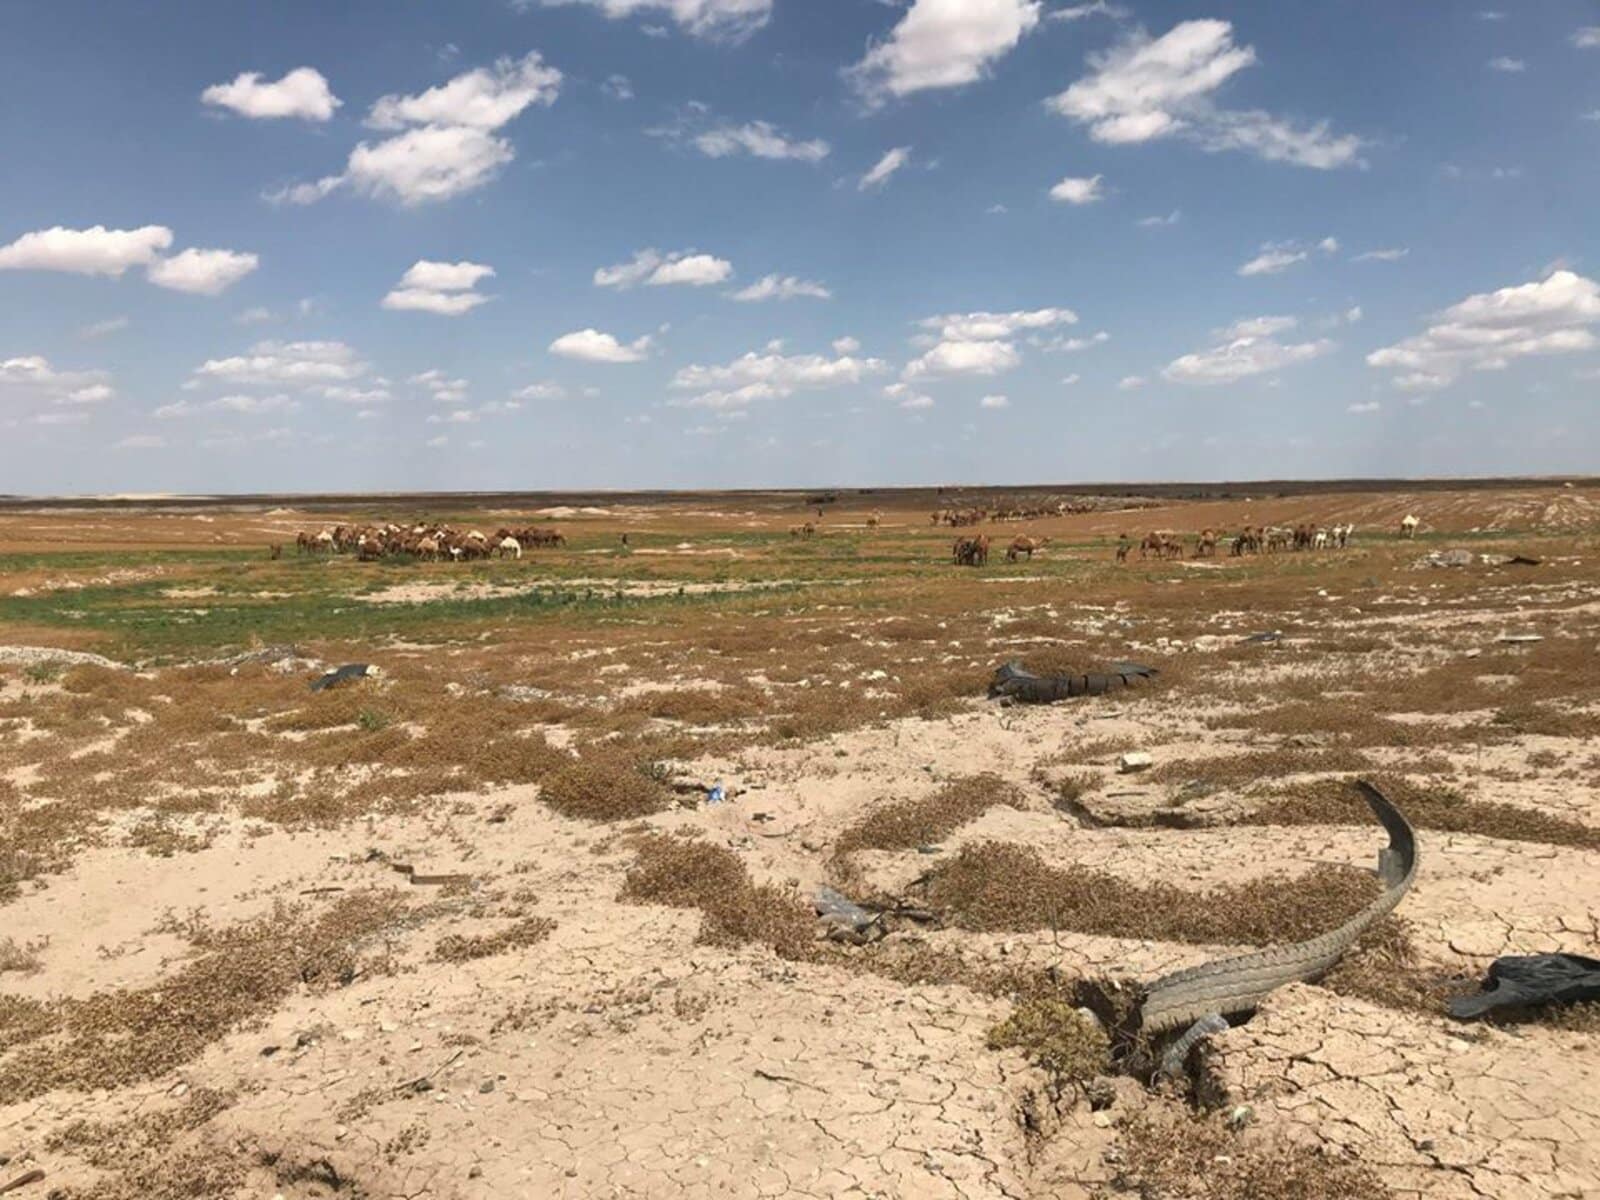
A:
[(614, 1051)]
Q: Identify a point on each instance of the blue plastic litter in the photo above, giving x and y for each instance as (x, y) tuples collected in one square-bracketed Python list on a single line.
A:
[(716, 795)]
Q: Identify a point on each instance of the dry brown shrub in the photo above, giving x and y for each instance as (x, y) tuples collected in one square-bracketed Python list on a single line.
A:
[(1545, 720), (1383, 968), (604, 786), (905, 824), (937, 692), (108, 1146), (1352, 723), (1237, 770), (1429, 806), (323, 710), (699, 706), (23, 958), (460, 948), (1170, 1155), (123, 1037), (692, 874), (1003, 886)]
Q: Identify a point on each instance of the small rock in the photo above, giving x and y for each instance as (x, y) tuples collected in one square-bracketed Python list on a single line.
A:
[(340, 1133), (475, 1173), (1134, 760), (1102, 1120), (1241, 1116), (486, 1087)]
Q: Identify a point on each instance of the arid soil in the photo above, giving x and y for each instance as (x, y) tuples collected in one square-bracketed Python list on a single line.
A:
[(472, 927)]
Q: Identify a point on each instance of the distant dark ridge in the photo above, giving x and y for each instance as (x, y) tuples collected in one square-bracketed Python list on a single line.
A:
[(798, 497)]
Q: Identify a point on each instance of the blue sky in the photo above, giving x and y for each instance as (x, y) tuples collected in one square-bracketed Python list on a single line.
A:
[(695, 243)]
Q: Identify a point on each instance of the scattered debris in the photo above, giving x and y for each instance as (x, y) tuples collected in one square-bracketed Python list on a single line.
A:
[(1522, 981), (27, 656), (1012, 682), (33, 1176), (1520, 639), (1134, 760), (1265, 637), (342, 675), (1447, 558), (844, 919)]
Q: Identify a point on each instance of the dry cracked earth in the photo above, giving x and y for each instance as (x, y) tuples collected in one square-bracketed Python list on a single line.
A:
[(471, 928)]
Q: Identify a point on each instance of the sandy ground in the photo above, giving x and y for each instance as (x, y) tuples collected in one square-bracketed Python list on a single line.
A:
[(622, 1056)]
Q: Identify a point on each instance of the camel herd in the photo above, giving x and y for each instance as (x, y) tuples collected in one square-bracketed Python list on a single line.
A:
[(427, 542), (1252, 539)]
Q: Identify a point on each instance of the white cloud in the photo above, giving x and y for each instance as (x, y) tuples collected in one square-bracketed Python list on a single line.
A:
[(1077, 12), (1078, 190), (991, 326), (1367, 406), (907, 397), (654, 269), (886, 166), (203, 272), (451, 147), (1280, 256), (286, 364), (60, 418), (445, 390), (618, 87), (846, 345), (1421, 381), (768, 376), (33, 378), (761, 139), (994, 402), (303, 93), (942, 44), (1486, 331), (781, 287), (1388, 255), (1510, 66), (1586, 37), (174, 411), (1353, 314), (964, 358), (729, 20), (1172, 218), (1129, 382), (484, 98), (100, 329), (590, 345), (343, 394), (1145, 88), (94, 251), (1070, 345), (1248, 347), (541, 391), (1069, 380), (442, 288)]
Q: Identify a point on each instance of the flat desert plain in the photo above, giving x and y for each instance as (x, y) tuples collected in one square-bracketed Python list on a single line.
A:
[(475, 925)]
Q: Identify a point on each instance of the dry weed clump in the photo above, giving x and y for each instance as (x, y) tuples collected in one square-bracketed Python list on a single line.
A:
[(1070, 1046), (604, 787), (1331, 802), (460, 948), (700, 706), (1237, 770), (906, 824), (119, 1038), (1383, 968), (692, 874), (22, 959), (1169, 1155), (107, 1146), (1001, 886)]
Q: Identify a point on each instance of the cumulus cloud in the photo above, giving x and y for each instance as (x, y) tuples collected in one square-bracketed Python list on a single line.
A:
[(302, 93), (1280, 256), (1171, 218), (618, 87), (1129, 382), (943, 44), (484, 98), (768, 375), (1394, 254), (1509, 66), (846, 345), (1364, 406), (33, 378), (1586, 37), (994, 402), (1070, 345), (1077, 12), (760, 139), (654, 269), (1143, 89), (964, 358), (286, 364), (540, 391), (93, 251), (886, 166), (203, 272), (726, 20), (1248, 347), (781, 287), (591, 345), (1486, 331), (443, 288), (1078, 190), (450, 146)]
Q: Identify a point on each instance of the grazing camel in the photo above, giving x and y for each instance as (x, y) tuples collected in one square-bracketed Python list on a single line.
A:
[(1206, 546), (275, 551), (1025, 545), (971, 552), (509, 545), (1408, 527)]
